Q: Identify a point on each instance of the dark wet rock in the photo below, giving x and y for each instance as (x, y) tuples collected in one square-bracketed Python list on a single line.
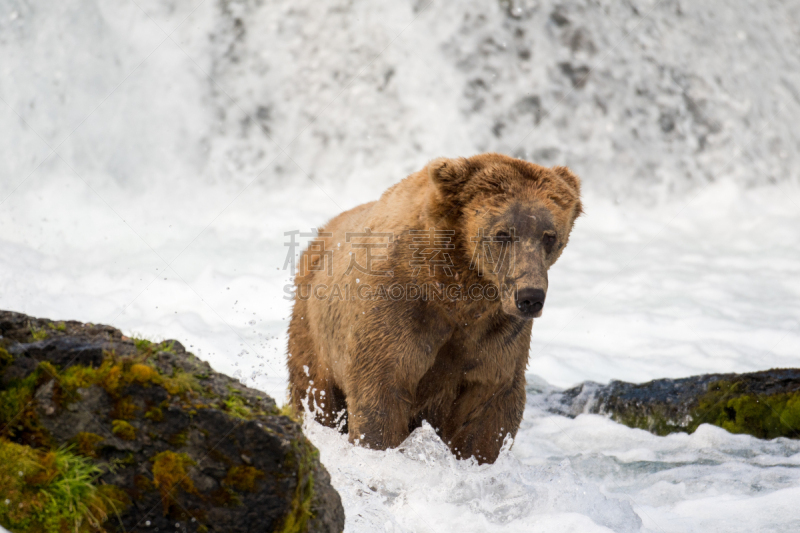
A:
[(763, 404), (188, 447)]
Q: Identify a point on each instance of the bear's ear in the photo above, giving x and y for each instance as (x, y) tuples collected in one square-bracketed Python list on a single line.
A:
[(574, 183), (448, 175), (572, 180)]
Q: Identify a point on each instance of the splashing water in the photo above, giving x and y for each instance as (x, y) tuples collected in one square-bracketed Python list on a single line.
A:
[(588, 474)]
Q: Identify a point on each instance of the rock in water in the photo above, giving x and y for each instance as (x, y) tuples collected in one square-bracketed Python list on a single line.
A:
[(145, 437), (763, 404)]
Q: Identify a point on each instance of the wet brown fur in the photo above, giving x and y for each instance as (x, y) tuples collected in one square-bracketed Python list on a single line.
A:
[(459, 364)]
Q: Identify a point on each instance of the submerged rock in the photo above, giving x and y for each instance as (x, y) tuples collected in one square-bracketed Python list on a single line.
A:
[(146, 437), (763, 404)]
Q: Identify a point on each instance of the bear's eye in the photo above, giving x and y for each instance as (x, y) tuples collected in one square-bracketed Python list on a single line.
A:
[(502, 236), (548, 240)]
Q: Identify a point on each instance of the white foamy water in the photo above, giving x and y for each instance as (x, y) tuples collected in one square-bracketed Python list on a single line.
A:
[(154, 154), (588, 474)]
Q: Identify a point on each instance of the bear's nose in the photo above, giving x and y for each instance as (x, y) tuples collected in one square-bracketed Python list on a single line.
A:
[(530, 301)]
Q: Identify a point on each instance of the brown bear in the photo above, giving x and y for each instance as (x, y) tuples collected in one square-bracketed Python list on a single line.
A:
[(419, 306)]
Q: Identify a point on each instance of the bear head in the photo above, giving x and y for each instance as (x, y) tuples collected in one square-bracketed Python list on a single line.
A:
[(511, 220)]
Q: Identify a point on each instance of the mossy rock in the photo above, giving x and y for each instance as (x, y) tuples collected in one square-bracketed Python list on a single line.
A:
[(763, 404), (155, 436)]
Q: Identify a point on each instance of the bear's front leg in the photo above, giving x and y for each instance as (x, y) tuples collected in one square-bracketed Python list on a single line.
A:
[(378, 415), (482, 416), (395, 344)]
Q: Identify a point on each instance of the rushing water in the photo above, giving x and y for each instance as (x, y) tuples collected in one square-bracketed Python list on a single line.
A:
[(186, 143)]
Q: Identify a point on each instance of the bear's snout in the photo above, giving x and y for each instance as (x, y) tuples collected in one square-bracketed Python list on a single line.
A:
[(530, 301)]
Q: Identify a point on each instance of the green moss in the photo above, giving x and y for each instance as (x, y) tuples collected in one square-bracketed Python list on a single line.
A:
[(14, 400), (54, 491), (5, 359), (179, 439), (60, 326), (148, 348), (142, 374), (123, 430), (128, 460), (18, 418), (790, 414), (155, 414), (12, 403), (180, 383), (45, 372), (654, 420), (727, 405), (114, 375), (38, 334), (170, 473), (302, 456), (142, 345), (124, 409), (243, 478), (236, 406), (86, 443), (288, 411), (110, 375)]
